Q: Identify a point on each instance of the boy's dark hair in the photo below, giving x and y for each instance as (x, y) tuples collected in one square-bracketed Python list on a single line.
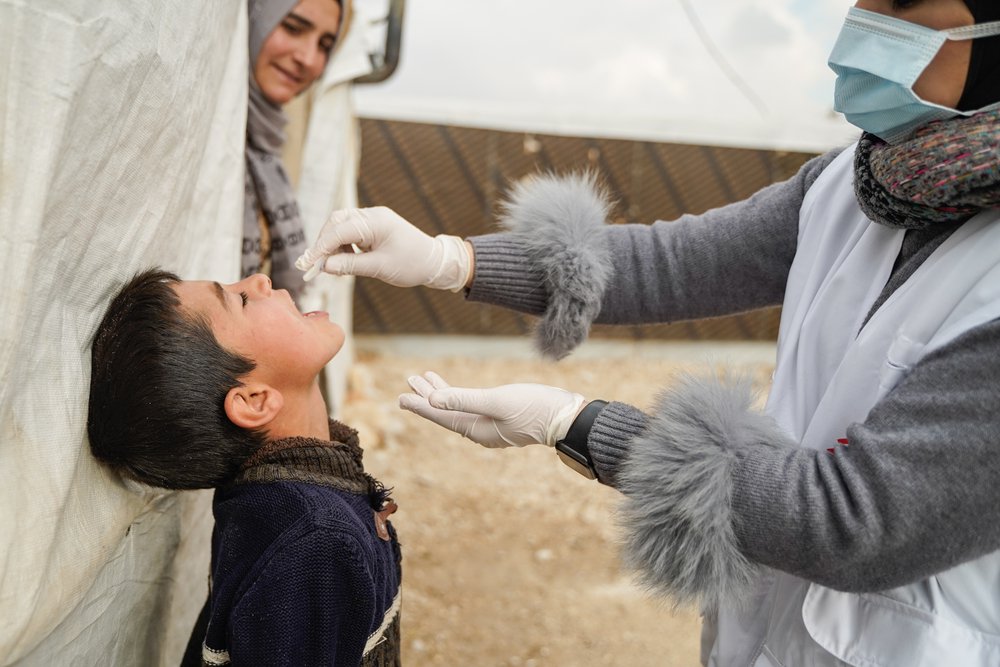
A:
[(158, 384)]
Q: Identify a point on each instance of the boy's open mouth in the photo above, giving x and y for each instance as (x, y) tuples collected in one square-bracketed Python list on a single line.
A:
[(316, 313)]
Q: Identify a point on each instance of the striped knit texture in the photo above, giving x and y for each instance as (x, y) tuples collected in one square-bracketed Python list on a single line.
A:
[(387, 652), (611, 436), (503, 278)]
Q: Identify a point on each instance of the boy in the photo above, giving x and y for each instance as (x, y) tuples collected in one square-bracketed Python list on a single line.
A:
[(199, 385)]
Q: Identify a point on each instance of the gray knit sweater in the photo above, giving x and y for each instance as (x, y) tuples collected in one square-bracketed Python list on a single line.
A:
[(917, 492)]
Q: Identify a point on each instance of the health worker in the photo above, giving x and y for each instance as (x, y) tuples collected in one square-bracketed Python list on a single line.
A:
[(855, 520)]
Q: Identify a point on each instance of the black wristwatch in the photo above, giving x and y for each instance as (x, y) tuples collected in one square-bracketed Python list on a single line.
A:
[(572, 449)]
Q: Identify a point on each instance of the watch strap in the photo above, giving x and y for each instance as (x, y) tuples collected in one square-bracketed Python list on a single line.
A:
[(574, 444)]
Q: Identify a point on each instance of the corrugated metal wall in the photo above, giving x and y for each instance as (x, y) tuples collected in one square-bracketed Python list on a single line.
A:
[(450, 179)]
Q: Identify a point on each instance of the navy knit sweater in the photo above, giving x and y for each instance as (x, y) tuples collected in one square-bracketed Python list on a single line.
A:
[(300, 575)]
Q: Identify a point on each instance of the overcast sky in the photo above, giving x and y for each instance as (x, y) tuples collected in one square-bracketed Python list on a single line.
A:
[(621, 68)]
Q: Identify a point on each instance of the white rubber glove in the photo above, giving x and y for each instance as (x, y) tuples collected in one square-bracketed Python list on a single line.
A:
[(391, 249), (511, 415)]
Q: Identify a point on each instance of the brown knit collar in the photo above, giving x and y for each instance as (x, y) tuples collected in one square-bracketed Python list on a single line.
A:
[(335, 463), (342, 437)]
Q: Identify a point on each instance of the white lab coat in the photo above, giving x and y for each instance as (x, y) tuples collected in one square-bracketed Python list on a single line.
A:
[(829, 376)]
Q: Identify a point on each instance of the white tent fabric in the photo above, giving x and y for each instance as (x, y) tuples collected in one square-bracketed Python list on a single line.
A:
[(733, 73), (121, 146)]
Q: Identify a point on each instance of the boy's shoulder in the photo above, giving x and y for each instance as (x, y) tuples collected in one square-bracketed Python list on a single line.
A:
[(273, 507), (301, 526)]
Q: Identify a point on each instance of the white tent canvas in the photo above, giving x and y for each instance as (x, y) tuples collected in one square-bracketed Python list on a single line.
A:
[(122, 131), (121, 147)]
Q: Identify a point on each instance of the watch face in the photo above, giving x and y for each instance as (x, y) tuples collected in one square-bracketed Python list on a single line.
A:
[(569, 457)]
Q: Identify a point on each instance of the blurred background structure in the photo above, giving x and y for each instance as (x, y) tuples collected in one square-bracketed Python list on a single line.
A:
[(448, 179), (678, 106)]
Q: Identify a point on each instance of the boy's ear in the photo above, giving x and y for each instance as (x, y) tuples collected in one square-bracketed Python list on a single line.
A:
[(253, 405)]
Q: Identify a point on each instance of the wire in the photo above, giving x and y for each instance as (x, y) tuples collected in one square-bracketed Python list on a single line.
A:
[(720, 60)]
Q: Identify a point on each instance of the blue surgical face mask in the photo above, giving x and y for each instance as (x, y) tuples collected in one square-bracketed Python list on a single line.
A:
[(878, 58)]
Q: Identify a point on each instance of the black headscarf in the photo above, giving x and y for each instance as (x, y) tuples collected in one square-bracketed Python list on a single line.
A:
[(982, 86)]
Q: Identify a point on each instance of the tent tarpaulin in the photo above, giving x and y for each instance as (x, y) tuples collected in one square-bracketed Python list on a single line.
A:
[(121, 146)]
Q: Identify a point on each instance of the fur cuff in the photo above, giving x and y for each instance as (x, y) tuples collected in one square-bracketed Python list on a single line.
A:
[(561, 221), (677, 481)]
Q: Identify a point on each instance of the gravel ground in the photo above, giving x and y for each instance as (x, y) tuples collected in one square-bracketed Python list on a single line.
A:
[(510, 558)]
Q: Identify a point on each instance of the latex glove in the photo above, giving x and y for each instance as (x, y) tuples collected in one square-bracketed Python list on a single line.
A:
[(511, 415), (390, 249)]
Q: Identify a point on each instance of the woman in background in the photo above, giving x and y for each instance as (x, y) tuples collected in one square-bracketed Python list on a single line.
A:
[(290, 46)]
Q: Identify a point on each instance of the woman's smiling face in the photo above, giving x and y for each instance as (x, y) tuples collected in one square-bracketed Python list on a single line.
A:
[(263, 324), (295, 53)]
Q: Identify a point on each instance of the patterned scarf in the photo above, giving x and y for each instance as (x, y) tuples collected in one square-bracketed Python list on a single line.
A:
[(946, 173)]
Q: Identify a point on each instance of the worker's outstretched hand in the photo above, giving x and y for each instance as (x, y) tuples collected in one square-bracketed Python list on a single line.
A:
[(511, 415), (388, 248)]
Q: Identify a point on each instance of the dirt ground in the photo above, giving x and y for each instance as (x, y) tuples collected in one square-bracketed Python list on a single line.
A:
[(510, 558)]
